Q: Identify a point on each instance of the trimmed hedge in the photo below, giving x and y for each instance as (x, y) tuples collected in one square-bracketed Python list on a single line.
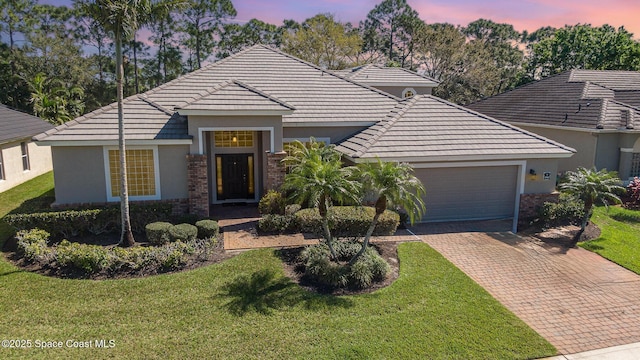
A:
[(368, 269), (348, 221), (71, 223), (92, 259), (183, 232), (272, 223), (158, 232), (272, 202), (207, 229)]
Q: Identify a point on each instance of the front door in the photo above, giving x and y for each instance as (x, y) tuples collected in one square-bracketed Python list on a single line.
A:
[(234, 176)]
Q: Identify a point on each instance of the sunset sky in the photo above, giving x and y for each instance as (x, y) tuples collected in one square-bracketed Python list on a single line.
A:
[(523, 14)]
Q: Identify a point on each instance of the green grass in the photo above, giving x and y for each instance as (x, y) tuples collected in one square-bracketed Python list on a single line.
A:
[(246, 308), (620, 237)]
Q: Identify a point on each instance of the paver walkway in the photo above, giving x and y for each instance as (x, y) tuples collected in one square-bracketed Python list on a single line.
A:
[(575, 299)]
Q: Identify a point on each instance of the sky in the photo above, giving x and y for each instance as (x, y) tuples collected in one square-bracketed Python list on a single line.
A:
[(522, 14)]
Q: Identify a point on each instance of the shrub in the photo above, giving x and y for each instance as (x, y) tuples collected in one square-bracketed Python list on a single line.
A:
[(32, 245), (368, 269), (348, 221), (292, 209), (183, 232), (207, 229), (88, 258), (272, 223), (143, 214), (567, 211), (272, 203), (633, 193), (65, 224), (158, 232)]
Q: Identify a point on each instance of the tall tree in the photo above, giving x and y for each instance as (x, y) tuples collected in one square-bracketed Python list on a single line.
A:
[(122, 18), (322, 41), (440, 50), (584, 47), (236, 37), (390, 28), (14, 17), (54, 101), (201, 22), (168, 62)]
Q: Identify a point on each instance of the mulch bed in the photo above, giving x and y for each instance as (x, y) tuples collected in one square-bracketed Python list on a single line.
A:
[(294, 268), (562, 235), (215, 255)]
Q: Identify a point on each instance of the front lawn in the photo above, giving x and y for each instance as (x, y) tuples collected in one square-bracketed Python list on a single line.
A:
[(620, 237), (246, 307)]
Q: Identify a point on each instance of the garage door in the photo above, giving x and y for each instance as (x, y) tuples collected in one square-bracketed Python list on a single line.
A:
[(469, 193)]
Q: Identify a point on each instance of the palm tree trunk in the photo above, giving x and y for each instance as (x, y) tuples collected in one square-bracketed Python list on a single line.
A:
[(588, 207), (367, 237), (126, 236), (323, 209)]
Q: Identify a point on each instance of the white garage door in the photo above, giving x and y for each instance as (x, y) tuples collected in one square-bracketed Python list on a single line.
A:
[(469, 193)]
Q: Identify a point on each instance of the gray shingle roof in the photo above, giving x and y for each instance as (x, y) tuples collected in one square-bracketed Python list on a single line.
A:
[(233, 95), (391, 76), (16, 125), (588, 99), (317, 96), (433, 129)]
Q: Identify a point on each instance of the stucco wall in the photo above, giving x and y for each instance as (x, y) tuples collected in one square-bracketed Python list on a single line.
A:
[(237, 123), (608, 152), (173, 171), (79, 174), (335, 133), (584, 142), (537, 184), (397, 90), (39, 160)]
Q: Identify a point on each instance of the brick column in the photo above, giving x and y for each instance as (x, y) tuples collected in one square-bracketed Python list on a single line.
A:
[(198, 183), (275, 170), (529, 203)]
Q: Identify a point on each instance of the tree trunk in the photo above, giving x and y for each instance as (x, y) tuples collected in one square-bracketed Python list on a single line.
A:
[(126, 236), (135, 65), (323, 209), (588, 207), (381, 206)]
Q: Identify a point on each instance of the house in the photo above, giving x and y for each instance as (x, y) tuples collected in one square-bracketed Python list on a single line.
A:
[(594, 111), (397, 81), (217, 135), (20, 159)]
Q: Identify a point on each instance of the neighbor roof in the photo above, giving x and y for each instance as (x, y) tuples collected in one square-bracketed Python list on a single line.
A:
[(318, 96), (377, 75), (433, 129), (590, 99), (16, 125)]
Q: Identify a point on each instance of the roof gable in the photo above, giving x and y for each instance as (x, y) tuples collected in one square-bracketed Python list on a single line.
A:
[(16, 125), (377, 75), (432, 129)]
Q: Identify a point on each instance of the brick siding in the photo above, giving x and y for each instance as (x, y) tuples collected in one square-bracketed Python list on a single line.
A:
[(198, 184), (275, 170)]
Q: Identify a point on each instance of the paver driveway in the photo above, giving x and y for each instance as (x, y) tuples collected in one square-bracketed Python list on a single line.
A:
[(575, 299)]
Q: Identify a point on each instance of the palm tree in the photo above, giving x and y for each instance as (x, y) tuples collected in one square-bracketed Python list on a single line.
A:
[(53, 101), (121, 19), (592, 187), (390, 183), (318, 178)]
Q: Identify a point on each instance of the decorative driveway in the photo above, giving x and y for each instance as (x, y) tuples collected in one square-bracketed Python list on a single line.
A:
[(575, 299)]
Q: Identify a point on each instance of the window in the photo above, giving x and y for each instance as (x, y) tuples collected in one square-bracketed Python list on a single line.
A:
[(635, 165), (142, 174), (408, 92), (1, 167), (233, 139), (25, 156)]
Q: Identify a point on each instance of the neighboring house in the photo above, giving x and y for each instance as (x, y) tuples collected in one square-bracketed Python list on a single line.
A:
[(594, 111), (396, 81), (20, 159), (217, 135)]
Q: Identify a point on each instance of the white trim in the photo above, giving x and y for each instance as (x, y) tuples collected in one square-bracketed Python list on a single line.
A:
[(107, 173), (187, 112), (325, 140), (286, 124), (406, 90), (626, 150), (113, 142), (201, 131), (451, 158)]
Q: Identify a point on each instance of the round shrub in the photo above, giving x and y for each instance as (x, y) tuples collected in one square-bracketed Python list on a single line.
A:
[(207, 229), (183, 232), (32, 245), (272, 202), (158, 232), (292, 209), (368, 269), (88, 258), (348, 221)]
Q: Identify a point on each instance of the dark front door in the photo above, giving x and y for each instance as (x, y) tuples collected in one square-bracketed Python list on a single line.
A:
[(236, 175)]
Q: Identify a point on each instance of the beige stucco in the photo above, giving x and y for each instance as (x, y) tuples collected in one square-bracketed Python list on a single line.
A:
[(201, 124), (584, 142), (39, 161), (79, 174), (536, 184), (173, 171)]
